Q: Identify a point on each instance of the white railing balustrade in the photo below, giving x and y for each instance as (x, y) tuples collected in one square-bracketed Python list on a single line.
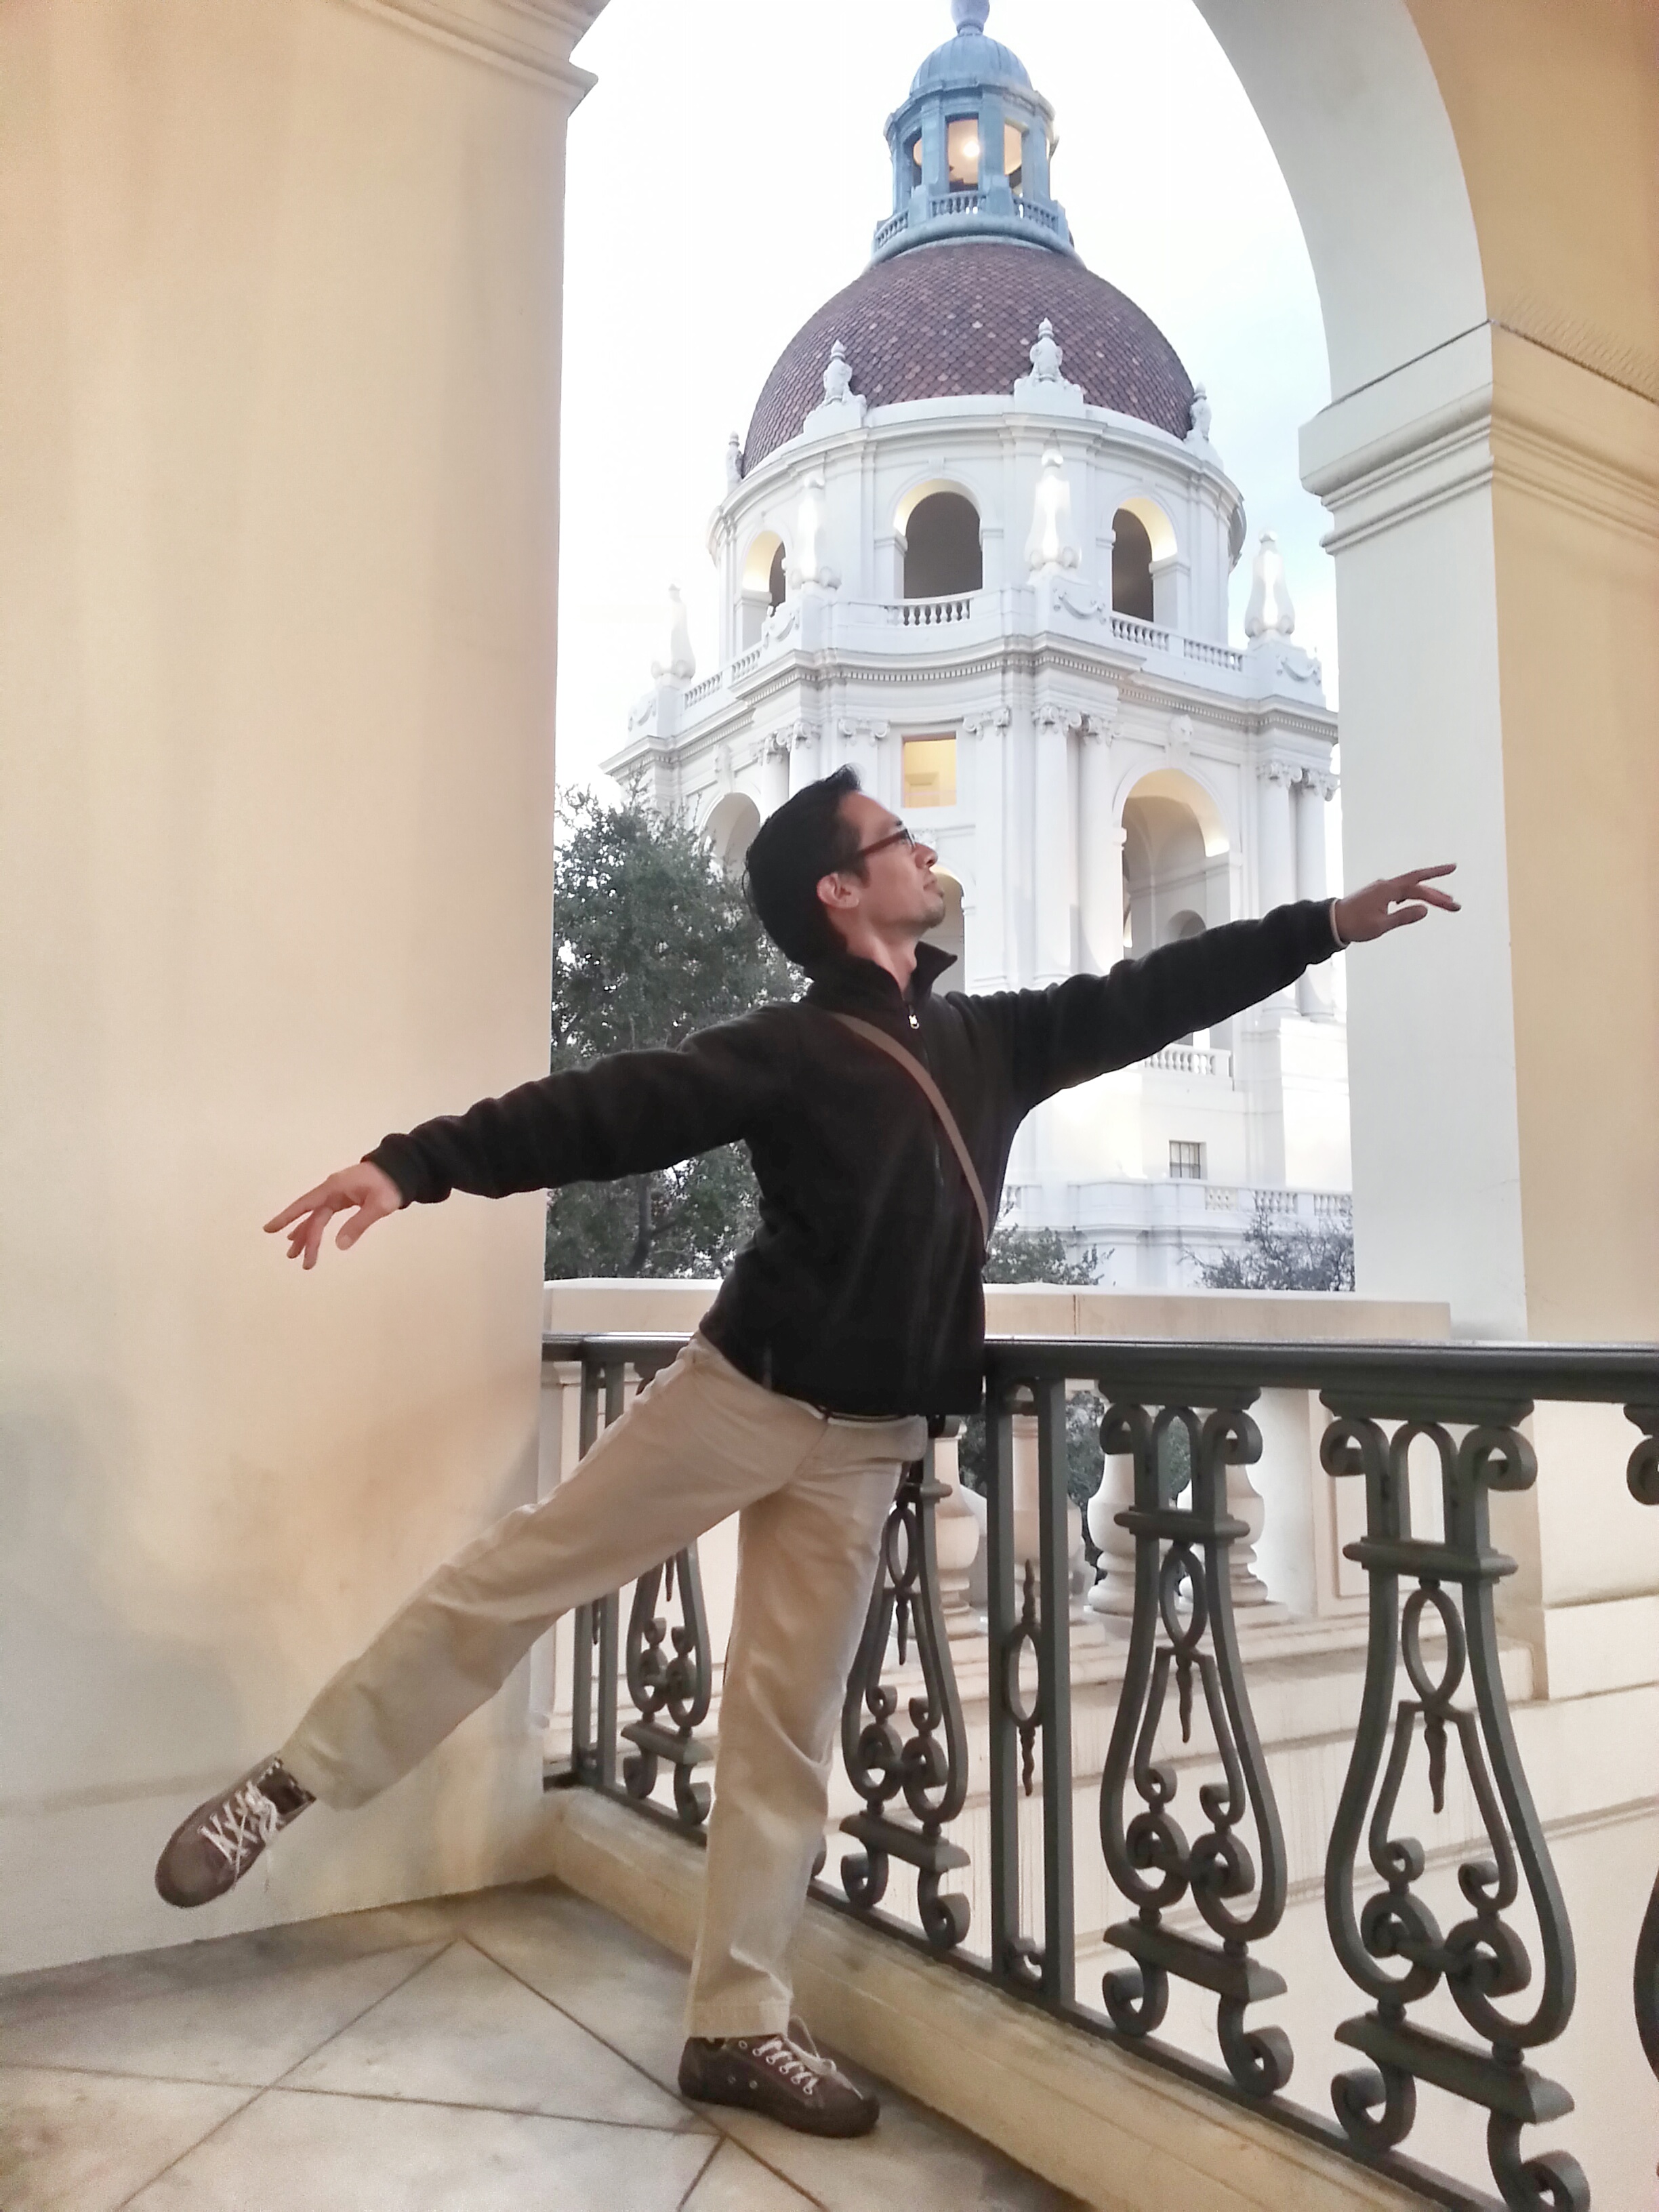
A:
[(1193, 1060), (928, 614), (1212, 656), (1129, 629), (704, 690)]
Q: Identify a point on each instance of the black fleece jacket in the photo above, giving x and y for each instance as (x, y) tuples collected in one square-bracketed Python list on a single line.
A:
[(861, 1290)]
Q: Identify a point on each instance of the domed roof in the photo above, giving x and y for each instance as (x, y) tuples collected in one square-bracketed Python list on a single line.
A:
[(962, 316), (969, 58)]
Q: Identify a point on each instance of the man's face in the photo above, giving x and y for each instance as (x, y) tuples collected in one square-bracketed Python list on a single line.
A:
[(898, 893)]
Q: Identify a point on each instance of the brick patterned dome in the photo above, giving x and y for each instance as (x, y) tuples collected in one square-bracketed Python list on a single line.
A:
[(962, 318)]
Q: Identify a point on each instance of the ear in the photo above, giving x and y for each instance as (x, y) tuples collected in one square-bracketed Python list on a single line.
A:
[(837, 894)]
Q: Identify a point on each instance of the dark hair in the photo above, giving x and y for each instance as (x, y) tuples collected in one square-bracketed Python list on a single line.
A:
[(806, 839)]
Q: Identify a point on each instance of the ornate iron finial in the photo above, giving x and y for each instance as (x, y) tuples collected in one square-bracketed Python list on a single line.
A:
[(969, 16)]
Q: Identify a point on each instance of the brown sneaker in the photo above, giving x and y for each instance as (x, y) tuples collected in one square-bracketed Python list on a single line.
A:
[(784, 2077), (210, 1852)]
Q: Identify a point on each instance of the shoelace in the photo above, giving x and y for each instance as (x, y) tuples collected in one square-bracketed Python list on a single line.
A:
[(799, 2061), (243, 1825)]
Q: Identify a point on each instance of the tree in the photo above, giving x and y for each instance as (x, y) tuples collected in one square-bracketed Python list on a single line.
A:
[(652, 942), (1276, 1258)]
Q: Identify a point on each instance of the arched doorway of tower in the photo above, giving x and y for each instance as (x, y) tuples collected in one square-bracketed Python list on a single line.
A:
[(939, 526), (731, 823), (1143, 546), (763, 587), (1176, 861)]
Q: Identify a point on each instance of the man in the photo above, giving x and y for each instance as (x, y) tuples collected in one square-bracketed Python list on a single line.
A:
[(855, 1314)]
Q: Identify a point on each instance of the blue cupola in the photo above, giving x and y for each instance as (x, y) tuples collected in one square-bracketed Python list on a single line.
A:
[(970, 148)]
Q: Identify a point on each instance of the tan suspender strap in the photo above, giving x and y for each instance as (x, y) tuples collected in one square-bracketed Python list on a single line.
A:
[(935, 1097)]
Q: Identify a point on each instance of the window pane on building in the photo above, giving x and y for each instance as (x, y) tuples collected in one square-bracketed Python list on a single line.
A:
[(1185, 1161), (930, 772)]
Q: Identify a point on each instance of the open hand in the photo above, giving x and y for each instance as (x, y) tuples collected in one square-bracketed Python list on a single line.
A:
[(1391, 903), (365, 1192)]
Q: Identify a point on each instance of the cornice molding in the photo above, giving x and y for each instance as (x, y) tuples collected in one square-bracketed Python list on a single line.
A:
[(530, 40), (1492, 405)]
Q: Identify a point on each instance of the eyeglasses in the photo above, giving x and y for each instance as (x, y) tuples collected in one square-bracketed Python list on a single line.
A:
[(899, 836)]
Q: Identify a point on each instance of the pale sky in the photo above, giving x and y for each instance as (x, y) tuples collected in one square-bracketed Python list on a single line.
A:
[(726, 171)]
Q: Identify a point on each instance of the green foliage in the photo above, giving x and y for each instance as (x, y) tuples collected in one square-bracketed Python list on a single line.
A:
[(1034, 1255), (652, 942), (1278, 1258)]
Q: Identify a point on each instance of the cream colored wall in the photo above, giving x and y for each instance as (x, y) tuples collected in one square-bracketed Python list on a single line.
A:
[(281, 293)]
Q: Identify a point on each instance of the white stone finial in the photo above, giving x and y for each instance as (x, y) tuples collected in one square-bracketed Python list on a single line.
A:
[(682, 663), (1269, 613), (969, 15), (733, 461), (1199, 434), (838, 376), (809, 565), (1050, 546), (1046, 355)]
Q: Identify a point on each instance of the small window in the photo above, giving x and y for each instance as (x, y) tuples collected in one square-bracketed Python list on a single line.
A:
[(1185, 1161), (961, 154), (930, 772), (1013, 154)]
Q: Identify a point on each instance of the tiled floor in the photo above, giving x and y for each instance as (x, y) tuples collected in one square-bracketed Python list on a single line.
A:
[(510, 2052)]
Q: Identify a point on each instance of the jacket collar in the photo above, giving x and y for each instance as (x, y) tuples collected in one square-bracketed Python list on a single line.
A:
[(857, 986)]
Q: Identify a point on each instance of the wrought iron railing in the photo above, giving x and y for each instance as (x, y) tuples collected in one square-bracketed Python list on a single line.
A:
[(1206, 1882)]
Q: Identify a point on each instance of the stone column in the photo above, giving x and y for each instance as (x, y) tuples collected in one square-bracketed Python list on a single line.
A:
[(280, 534), (803, 768), (774, 779), (986, 738), (1313, 991), (1052, 846), (1099, 850)]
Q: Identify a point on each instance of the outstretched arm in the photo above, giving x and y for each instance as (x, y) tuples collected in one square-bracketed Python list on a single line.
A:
[(633, 1112), (1091, 1023)]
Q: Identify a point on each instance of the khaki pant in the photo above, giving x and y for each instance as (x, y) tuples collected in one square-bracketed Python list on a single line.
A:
[(700, 1442)]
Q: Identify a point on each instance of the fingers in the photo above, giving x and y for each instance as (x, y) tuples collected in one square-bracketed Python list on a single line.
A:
[(371, 1210), (1401, 917), (313, 1198)]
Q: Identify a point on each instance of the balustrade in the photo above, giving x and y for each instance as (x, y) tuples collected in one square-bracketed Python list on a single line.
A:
[(1191, 1835)]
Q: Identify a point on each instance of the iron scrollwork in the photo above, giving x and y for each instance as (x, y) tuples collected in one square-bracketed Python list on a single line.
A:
[(673, 1686), (1642, 1474), (1184, 1626), (929, 1769), (1394, 1948)]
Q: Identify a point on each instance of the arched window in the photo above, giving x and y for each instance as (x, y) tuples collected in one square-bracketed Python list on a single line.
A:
[(942, 552), (1132, 566), (729, 829), (761, 587)]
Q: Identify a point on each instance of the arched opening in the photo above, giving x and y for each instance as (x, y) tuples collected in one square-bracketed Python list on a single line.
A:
[(1132, 567), (1143, 540), (942, 551), (731, 823), (950, 936), (761, 586), (1175, 861)]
